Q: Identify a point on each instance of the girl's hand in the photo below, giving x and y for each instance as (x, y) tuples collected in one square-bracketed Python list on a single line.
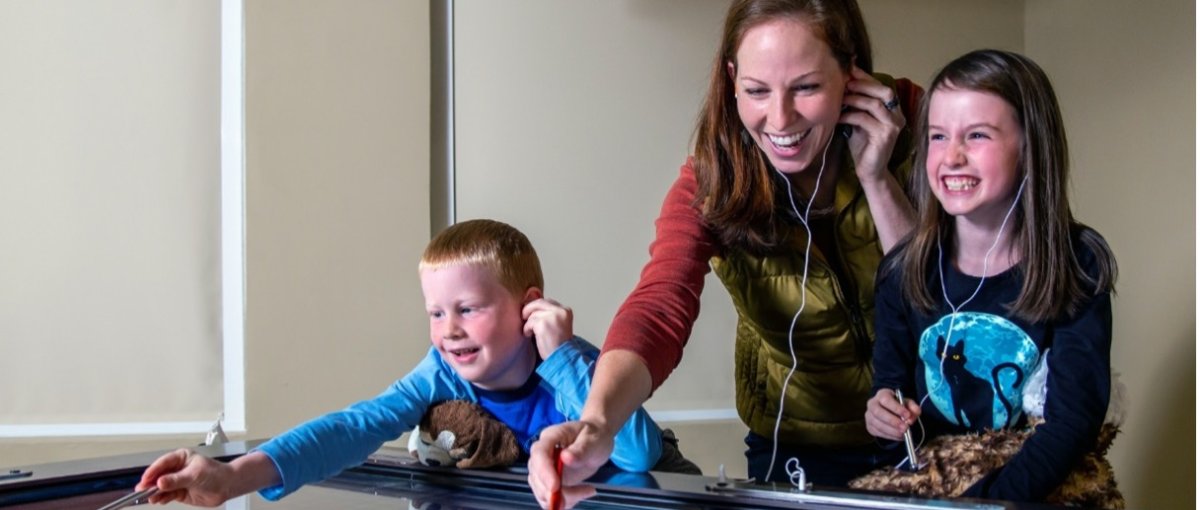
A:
[(876, 126), (549, 323), (887, 418), (187, 477)]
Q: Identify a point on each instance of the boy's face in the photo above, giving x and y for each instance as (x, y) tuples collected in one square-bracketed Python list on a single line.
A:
[(476, 325)]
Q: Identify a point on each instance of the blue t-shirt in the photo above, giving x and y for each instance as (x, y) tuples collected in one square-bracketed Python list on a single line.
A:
[(526, 410)]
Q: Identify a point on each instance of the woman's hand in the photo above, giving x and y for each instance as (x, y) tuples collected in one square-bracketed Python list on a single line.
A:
[(887, 418), (549, 323), (187, 477), (876, 126), (585, 447)]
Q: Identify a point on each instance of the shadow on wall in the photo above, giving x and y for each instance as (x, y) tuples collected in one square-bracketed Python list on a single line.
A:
[(1171, 480)]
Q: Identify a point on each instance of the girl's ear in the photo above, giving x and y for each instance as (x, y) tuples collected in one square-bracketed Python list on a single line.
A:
[(531, 294)]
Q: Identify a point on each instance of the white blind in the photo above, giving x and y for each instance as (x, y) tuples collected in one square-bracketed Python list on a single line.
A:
[(110, 211)]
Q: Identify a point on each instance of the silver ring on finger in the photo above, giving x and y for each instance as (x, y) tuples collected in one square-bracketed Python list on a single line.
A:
[(891, 105)]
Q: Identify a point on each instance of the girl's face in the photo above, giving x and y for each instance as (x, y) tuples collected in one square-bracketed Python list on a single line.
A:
[(789, 92), (974, 146)]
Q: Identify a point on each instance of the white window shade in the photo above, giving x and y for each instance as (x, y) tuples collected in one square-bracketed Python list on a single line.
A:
[(110, 213)]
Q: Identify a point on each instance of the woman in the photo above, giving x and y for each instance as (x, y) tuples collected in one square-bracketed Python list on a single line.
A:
[(793, 185)]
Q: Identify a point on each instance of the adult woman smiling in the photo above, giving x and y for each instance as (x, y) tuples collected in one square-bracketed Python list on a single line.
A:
[(792, 196)]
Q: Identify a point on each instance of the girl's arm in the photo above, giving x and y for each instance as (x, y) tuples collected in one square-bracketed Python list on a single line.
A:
[(1078, 389), (895, 359)]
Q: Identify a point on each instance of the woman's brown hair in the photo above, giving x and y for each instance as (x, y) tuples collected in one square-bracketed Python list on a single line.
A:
[(736, 187), (1054, 284)]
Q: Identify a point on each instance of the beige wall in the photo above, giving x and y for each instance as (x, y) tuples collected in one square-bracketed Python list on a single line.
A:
[(337, 154), (337, 202), (1126, 79)]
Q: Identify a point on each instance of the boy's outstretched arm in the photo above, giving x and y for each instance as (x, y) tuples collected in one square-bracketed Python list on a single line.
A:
[(187, 477)]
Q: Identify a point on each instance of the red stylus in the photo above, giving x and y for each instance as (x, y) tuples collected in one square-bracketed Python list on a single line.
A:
[(556, 502)]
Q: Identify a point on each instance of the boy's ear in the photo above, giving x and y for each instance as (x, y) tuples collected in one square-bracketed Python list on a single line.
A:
[(532, 294)]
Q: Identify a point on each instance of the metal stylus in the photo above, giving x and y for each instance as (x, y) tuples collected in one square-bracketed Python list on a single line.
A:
[(908, 440)]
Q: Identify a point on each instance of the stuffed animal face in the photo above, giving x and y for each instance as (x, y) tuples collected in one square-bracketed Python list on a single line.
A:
[(463, 434), (476, 325)]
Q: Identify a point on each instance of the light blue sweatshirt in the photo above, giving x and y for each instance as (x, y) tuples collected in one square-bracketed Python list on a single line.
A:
[(325, 446)]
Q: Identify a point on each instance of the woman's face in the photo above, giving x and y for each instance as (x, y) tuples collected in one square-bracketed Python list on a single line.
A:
[(789, 92)]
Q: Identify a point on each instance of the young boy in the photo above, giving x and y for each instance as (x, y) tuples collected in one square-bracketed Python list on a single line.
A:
[(496, 341)]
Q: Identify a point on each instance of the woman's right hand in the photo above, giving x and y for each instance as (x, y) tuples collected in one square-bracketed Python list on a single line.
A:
[(187, 477), (585, 449), (887, 418)]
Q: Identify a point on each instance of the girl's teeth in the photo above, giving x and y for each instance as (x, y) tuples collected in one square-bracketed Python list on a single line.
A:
[(960, 183)]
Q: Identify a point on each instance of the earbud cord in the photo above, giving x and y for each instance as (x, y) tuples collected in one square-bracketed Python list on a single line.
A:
[(955, 309), (799, 473)]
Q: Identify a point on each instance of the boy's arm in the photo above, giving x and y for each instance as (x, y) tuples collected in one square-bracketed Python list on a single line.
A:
[(193, 479), (638, 444), (325, 446)]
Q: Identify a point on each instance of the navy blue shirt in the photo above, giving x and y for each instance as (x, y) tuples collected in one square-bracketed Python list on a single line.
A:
[(526, 410), (973, 367)]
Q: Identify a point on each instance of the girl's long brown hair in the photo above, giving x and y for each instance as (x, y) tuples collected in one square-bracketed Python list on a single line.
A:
[(736, 187), (1054, 285)]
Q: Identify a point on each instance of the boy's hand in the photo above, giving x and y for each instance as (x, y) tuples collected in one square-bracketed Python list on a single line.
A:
[(887, 418), (191, 478), (187, 477), (549, 323)]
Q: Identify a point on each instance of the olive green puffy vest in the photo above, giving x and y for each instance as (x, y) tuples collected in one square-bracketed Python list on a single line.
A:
[(833, 338)]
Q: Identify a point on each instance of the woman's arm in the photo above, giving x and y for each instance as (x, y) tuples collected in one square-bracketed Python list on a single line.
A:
[(876, 137), (644, 344), (893, 214), (637, 440), (656, 319)]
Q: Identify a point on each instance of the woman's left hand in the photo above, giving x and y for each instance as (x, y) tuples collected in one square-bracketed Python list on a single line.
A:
[(876, 126)]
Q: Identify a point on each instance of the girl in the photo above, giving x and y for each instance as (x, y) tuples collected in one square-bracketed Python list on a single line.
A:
[(997, 278)]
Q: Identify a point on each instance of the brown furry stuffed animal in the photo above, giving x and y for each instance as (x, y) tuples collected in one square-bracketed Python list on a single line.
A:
[(463, 434), (953, 463)]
